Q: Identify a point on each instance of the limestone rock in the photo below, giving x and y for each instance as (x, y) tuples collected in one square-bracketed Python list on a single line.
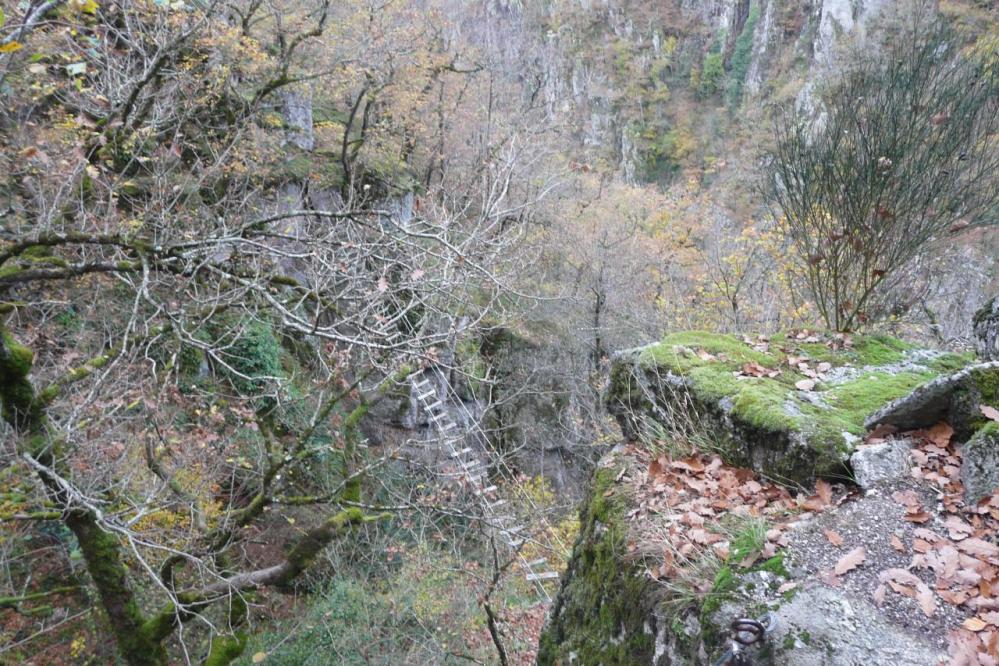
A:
[(744, 399), (878, 463), (980, 464), (819, 622), (986, 328), (954, 398)]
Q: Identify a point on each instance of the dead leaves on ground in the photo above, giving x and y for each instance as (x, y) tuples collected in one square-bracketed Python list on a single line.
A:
[(755, 370), (956, 552), (693, 493)]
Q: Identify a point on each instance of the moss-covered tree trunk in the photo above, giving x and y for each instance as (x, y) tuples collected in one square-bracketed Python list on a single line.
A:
[(25, 412)]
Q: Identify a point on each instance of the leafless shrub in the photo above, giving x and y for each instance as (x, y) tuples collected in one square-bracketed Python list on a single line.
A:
[(902, 154)]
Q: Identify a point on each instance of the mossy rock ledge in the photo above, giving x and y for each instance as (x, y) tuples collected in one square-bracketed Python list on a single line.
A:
[(694, 385), (605, 611), (611, 612), (698, 389)]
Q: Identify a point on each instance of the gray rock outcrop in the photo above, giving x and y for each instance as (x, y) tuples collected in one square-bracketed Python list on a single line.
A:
[(980, 464), (879, 463), (986, 329)]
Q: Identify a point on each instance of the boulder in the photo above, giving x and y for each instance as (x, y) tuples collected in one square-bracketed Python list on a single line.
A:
[(980, 464), (880, 463), (986, 328), (955, 397), (605, 611), (791, 407)]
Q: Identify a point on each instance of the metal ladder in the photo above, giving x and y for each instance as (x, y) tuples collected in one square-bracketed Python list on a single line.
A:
[(474, 476)]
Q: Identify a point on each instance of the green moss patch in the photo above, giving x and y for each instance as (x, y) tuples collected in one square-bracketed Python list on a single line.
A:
[(601, 611), (725, 377)]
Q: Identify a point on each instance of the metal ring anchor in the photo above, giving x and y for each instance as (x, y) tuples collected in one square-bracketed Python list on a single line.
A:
[(746, 632)]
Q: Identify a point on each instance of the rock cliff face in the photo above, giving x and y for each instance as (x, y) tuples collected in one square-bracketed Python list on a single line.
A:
[(685, 529), (615, 64)]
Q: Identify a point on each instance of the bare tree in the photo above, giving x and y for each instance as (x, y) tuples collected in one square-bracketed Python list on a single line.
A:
[(149, 189), (902, 154)]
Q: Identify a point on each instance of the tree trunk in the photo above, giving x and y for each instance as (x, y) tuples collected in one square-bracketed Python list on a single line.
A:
[(101, 550)]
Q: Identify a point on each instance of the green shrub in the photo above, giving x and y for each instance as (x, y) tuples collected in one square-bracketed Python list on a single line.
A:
[(712, 73), (253, 357)]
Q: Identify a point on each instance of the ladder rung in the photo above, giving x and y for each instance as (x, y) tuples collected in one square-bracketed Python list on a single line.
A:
[(446, 426), (545, 575), (428, 394), (537, 562), (437, 405), (458, 454), (485, 491), (460, 474), (499, 502)]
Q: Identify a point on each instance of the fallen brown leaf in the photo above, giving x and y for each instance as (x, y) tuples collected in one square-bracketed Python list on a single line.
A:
[(974, 624), (906, 497), (833, 537), (897, 544), (957, 528), (850, 561), (979, 548), (655, 469), (823, 490), (917, 517), (926, 600), (940, 434)]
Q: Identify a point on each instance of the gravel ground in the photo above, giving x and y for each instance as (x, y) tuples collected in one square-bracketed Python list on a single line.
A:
[(871, 520)]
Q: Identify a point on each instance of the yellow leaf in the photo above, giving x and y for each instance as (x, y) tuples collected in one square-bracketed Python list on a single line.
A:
[(259, 657), (11, 46), (85, 6)]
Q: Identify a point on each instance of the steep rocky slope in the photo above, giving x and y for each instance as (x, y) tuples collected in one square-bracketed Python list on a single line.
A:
[(685, 528)]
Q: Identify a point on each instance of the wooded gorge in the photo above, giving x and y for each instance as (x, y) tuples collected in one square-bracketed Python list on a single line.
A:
[(325, 327)]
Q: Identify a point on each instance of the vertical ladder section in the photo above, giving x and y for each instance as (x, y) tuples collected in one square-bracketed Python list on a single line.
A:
[(472, 473)]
